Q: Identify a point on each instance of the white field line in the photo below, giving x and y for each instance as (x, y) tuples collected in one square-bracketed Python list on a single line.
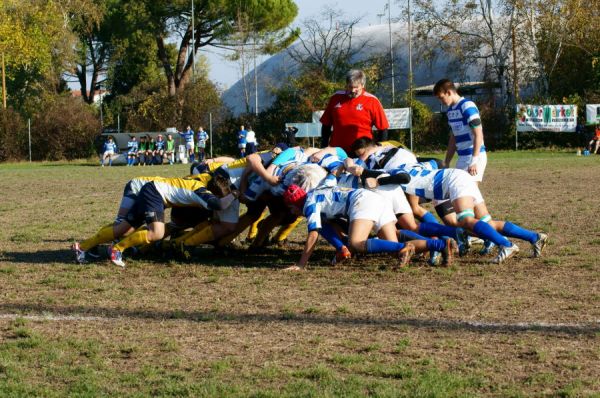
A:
[(591, 327)]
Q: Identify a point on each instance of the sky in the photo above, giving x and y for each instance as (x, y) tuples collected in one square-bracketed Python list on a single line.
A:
[(226, 73)]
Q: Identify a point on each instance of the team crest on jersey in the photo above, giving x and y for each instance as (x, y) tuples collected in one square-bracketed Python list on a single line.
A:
[(359, 107), (338, 105)]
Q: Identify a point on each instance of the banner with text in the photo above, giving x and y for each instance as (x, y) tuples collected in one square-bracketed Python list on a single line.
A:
[(546, 118), (592, 113), (399, 118)]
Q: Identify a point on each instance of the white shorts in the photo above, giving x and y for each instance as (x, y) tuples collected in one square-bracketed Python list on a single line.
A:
[(201, 144), (394, 195), (241, 146), (231, 214), (108, 153), (463, 163), (461, 184), (368, 205), (189, 145)]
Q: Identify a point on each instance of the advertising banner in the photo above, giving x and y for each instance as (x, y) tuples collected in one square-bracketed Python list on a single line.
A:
[(592, 113), (546, 118)]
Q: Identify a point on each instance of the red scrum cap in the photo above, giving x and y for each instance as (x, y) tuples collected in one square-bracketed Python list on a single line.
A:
[(294, 196)]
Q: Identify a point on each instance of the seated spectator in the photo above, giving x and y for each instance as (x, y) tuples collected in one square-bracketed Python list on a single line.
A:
[(132, 150), (170, 150), (142, 147), (159, 151), (595, 142), (151, 146), (110, 148)]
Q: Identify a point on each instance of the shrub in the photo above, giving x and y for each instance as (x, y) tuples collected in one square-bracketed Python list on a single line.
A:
[(13, 136), (63, 128)]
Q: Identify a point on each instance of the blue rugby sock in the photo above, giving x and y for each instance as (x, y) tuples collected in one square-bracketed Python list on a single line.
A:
[(383, 246), (515, 231), (405, 235), (330, 235), (435, 229), (436, 245), (428, 217), (486, 231)]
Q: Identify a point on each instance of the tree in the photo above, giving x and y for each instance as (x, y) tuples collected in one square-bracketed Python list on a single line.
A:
[(471, 31), (329, 47), (36, 45), (213, 23), (552, 29)]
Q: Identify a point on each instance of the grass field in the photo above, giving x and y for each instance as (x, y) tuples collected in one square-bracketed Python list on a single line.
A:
[(233, 324)]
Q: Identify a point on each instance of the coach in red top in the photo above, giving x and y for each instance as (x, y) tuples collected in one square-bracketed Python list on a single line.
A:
[(352, 114)]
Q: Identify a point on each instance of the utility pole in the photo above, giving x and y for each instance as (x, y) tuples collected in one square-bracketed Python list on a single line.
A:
[(255, 77), (193, 45), (515, 73), (3, 84), (389, 9), (410, 75)]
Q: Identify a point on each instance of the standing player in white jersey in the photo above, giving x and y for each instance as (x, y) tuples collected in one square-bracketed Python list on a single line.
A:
[(467, 133)]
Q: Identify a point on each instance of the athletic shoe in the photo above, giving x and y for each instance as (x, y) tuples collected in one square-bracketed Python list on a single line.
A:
[(116, 257), (405, 254), (475, 240), (79, 254), (93, 252), (505, 253), (539, 244), (488, 246), (462, 240), (341, 255), (435, 258), (448, 252)]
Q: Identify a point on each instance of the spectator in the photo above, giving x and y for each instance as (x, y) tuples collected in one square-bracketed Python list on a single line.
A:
[(251, 142), (170, 151), (188, 136), (202, 138), (289, 135), (110, 148), (595, 140), (132, 150), (150, 150), (159, 151), (241, 139), (352, 114), (142, 151)]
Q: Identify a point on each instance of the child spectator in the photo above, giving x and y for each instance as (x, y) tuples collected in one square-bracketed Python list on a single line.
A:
[(142, 147), (159, 151)]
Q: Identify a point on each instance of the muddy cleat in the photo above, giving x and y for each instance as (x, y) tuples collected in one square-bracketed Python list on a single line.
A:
[(435, 258), (405, 254), (539, 244), (475, 240), (505, 253), (79, 254), (448, 252), (487, 248), (116, 257), (341, 255), (462, 240)]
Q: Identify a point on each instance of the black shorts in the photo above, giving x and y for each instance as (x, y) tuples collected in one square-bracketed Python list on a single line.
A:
[(186, 217), (148, 207)]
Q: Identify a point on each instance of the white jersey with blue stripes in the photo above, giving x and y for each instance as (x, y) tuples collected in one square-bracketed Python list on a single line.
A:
[(327, 202), (460, 116), (402, 156)]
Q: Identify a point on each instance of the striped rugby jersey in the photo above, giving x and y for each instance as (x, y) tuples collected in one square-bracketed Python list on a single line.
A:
[(329, 202), (402, 156), (459, 117), (132, 146), (183, 192), (426, 182)]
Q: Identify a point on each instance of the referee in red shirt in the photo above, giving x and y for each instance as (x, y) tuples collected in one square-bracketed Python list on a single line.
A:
[(352, 114)]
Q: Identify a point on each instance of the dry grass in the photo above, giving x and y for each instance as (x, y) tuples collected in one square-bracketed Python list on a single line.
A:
[(234, 324)]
